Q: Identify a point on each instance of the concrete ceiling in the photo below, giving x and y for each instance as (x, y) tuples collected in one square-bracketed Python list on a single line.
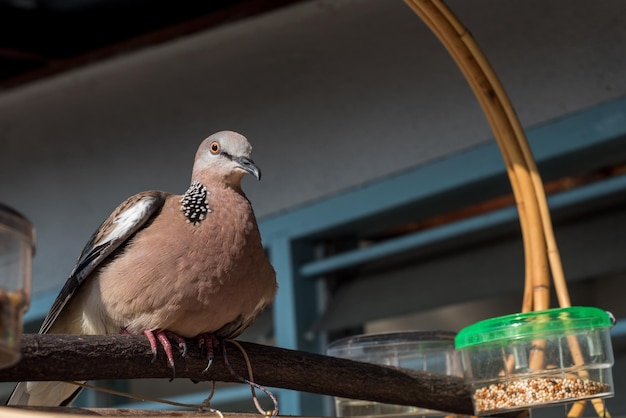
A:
[(39, 38)]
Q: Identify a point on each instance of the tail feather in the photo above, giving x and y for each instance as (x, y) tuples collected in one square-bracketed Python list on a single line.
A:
[(43, 393)]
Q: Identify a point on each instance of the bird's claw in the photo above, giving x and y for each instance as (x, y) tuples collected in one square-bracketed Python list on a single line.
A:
[(162, 336), (182, 344), (153, 343), (151, 338), (207, 344)]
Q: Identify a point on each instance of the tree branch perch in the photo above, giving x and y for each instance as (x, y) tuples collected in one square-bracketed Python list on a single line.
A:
[(95, 357)]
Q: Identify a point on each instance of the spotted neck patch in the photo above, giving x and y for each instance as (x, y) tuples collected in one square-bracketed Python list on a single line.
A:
[(193, 204)]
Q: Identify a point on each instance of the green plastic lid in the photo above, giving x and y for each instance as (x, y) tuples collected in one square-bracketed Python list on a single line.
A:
[(558, 321)]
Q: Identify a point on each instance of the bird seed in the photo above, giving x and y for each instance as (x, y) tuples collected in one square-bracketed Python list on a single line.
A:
[(535, 391)]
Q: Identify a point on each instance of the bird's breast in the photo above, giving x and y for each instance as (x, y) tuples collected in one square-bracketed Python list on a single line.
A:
[(189, 278)]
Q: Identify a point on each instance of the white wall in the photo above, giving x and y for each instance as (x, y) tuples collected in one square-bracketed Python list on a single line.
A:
[(332, 94)]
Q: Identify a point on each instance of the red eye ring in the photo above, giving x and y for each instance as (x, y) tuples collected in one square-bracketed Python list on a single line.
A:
[(214, 147)]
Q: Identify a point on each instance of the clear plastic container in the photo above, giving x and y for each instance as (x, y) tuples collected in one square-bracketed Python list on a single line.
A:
[(537, 358), (431, 351), (17, 241)]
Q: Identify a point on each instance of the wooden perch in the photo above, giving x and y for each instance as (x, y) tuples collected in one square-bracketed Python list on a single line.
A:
[(94, 357)]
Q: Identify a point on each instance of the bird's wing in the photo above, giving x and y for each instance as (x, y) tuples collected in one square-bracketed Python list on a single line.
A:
[(129, 217), (133, 214)]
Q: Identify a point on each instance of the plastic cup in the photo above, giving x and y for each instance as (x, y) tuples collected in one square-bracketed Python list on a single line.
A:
[(16, 250), (428, 351), (537, 359)]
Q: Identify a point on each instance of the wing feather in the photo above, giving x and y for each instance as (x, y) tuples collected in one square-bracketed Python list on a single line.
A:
[(129, 217)]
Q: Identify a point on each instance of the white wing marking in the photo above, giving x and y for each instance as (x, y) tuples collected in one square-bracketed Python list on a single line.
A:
[(127, 219)]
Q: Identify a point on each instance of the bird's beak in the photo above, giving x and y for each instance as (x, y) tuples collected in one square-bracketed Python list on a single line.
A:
[(248, 166)]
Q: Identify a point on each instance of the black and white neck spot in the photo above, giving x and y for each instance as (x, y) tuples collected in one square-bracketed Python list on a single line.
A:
[(194, 204)]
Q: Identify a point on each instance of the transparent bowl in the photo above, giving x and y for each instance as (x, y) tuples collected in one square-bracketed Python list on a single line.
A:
[(431, 351), (537, 358), (16, 250)]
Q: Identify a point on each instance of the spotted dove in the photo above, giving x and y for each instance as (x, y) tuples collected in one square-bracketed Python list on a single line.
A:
[(168, 266)]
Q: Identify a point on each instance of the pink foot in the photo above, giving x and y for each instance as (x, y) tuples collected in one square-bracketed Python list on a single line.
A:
[(208, 342), (165, 343), (182, 344), (163, 336)]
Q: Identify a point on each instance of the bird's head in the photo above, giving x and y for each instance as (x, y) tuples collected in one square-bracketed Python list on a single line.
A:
[(225, 156)]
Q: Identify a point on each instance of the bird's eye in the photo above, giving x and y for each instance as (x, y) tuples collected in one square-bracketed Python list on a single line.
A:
[(214, 147)]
